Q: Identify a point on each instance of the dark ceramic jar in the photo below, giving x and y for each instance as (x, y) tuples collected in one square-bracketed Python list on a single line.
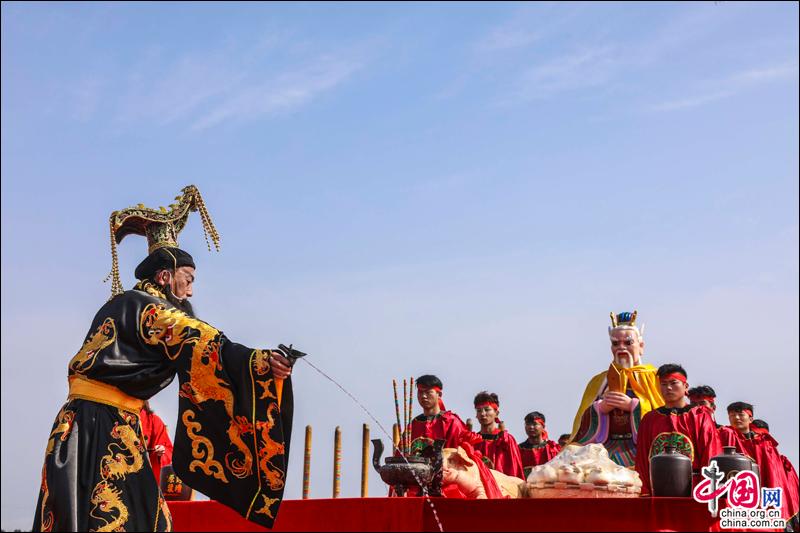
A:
[(732, 462), (671, 474)]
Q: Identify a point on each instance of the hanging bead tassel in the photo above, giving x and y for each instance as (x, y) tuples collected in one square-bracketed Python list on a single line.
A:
[(208, 225), (116, 283)]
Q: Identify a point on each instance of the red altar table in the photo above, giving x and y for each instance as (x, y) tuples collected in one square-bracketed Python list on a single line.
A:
[(415, 514)]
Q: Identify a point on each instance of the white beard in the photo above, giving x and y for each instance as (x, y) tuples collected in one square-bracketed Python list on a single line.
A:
[(623, 360)]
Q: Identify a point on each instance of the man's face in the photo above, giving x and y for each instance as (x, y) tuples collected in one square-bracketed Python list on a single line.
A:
[(486, 414), (626, 347), (427, 398), (181, 282), (672, 390), (534, 429), (740, 420)]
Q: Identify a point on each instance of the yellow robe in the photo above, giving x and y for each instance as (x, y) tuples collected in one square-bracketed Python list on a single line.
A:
[(642, 380)]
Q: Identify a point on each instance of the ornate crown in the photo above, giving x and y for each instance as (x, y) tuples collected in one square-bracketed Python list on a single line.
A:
[(623, 319), (626, 320), (161, 227)]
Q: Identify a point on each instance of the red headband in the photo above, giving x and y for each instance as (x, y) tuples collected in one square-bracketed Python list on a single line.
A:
[(487, 404), (748, 411), (545, 436), (675, 375), (437, 389), (700, 398)]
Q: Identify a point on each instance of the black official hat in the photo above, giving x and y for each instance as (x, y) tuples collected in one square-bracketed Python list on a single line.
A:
[(161, 227)]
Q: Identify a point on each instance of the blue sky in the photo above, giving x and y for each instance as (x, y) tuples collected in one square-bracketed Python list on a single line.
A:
[(464, 189)]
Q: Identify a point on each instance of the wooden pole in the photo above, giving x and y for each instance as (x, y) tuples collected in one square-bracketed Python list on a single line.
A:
[(405, 416), (365, 461), (410, 410), (307, 464), (396, 412), (395, 437), (337, 462)]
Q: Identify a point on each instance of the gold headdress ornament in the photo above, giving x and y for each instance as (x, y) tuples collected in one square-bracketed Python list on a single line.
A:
[(625, 320), (161, 227)]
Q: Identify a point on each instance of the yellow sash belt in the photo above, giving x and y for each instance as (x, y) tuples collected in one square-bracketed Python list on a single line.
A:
[(96, 391)]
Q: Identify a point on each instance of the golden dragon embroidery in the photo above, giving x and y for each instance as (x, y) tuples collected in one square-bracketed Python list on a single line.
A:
[(62, 426), (106, 497), (105, 335), (120, 464), (46, 516), (173, 330), (121, 460), (270, 449)]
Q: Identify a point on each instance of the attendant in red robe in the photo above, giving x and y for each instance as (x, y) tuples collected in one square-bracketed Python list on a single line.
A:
[(500, 450), (563, 439), (438, 424), (761, 447), (537, 449), (156, 439), (704, 395), (689, 428)]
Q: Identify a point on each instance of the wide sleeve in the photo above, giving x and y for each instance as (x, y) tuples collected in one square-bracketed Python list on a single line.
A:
[(232, 435), (456, 432), (514, 457), (643, 443), (593, 426), (708, 443)]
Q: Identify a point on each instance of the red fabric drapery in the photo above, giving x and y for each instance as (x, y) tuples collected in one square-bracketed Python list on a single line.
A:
[(415, 514)]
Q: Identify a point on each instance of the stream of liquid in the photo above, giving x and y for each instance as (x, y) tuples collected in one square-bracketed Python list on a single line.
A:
[(380, 426)]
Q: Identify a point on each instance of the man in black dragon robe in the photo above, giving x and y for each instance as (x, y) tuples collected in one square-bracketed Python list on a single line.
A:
[(235, 406)]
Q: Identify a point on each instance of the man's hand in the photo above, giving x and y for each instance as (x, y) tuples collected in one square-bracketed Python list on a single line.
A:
[(159, 449), (615, 400), (281, 367)]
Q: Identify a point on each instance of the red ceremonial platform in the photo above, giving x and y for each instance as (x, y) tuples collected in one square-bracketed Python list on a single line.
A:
[(416, 514)]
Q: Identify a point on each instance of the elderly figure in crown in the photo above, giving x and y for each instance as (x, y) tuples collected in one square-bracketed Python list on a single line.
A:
[(616, 399)]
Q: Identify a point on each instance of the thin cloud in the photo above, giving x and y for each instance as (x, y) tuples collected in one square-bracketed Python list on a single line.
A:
[(236, 83), (729, 86), (601, 59), (685, 103), (528, 25), (577, 70), (767, 74), (285, 92), (507, 38)]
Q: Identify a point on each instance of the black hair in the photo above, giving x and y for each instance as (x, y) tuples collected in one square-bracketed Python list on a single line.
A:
[(702, 390), (760, 424), (484, 397), (737, 407), (429, 380), (530, 417), (671, 368)]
